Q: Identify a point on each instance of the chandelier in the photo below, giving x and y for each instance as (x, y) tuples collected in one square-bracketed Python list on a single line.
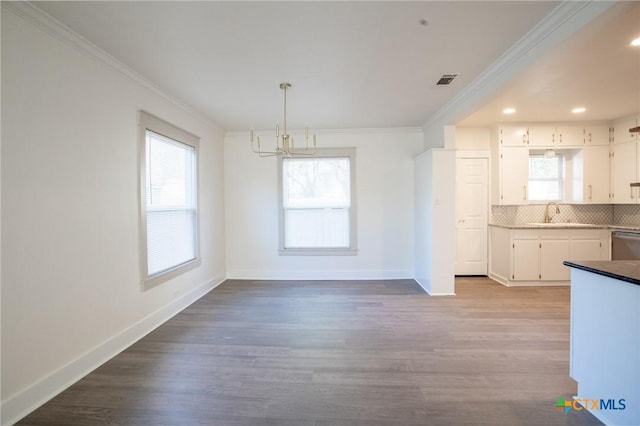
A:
[(284, 143)]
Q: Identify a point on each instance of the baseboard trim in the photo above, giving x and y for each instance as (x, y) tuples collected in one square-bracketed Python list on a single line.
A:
[(509, 283), (499, 278), (384, 274), (24, 402)]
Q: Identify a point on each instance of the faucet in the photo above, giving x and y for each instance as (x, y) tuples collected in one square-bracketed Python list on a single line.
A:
[(547, 218)]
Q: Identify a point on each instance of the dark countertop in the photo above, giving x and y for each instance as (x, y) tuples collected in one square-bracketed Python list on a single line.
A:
[(624, 270)]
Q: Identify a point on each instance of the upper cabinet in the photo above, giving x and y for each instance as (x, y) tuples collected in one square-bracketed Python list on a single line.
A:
[(513, 135), (553, 136), (621, 128), (541, 135), (583, 156), (569, 136), (514, 175), (625, 162), (596, 135), (623, 172)]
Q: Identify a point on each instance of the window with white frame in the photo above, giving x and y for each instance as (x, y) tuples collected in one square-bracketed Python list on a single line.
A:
[(546, 177), (317, 204), (168, 189)]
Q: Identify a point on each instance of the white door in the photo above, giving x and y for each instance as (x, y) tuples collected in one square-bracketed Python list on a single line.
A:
[(472, 203)]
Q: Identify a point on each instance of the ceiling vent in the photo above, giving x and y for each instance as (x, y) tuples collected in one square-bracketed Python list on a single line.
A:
[(446, 79)]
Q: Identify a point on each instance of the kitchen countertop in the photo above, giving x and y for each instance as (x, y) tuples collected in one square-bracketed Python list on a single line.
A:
[(624, 270), (568, 225)]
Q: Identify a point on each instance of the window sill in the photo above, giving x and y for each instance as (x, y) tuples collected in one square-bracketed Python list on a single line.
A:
[(318, 252), (161, 277)]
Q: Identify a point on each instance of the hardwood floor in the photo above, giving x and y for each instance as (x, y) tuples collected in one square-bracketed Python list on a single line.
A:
[(328, 353)]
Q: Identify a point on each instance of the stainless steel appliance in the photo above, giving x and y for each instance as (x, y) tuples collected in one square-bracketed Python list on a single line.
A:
[(625, 245)]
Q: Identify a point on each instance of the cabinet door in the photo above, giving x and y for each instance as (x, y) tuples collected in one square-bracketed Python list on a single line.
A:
[(542, 136), (552, 254), (596, 135), (526, 262), (514, 175), (596, 175), (587, 249), (513, 136), (623, 172), (621, 130), (569, 136)]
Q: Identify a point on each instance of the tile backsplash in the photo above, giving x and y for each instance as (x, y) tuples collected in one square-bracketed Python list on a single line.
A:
[(580, 213), (626, 214)]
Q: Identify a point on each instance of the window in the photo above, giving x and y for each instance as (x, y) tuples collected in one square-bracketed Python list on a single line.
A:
[(317, 214), (546, 177), (168, 188)]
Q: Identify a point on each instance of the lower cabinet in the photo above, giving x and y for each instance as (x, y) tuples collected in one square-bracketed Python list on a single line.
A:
[(535, 256), (525, 260)]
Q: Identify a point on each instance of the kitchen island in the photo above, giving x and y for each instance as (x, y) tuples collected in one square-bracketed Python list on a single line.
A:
[(605, 338)]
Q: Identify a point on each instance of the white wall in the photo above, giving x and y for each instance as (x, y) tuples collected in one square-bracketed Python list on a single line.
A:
[(71, 293), (384, 191), (435, 221), (472, 138)]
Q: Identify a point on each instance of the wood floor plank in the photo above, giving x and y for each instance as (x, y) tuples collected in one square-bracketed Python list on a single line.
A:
[(331, 353)]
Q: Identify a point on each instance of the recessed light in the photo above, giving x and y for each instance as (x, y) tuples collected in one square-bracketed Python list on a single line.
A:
[(508, 110), (578, 110), (636, 42)]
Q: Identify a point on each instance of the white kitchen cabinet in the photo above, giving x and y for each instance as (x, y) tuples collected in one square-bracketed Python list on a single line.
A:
[(512, 135), (555, 248), (596, 135), (596, 164), (564, 135), (542, 136), (514, 175), (587, 245), (525, 257), (522, 257), (624, 163), (568, 136), (621, 128)]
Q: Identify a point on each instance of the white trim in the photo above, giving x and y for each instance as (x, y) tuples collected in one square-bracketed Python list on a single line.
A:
[(322, 274), (22, 403), (151, 123), (39, 18), (352, 250), (556, 27), (368, 130)]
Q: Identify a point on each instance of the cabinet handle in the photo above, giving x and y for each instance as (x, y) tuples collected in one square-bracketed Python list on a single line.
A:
[(590, 191), (553, 138), (560, 137), (525, 192), (589, 137), (631, 192)]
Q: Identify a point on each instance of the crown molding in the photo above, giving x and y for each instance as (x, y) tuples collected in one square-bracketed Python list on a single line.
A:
[(355, 131), (557, 26), (45, 22)]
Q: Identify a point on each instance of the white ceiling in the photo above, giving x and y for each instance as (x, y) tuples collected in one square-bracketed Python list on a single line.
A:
[(356, 64), (596, 68)]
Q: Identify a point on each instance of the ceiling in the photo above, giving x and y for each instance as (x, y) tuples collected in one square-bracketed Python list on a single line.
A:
[(596, 68), (357, 64)]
